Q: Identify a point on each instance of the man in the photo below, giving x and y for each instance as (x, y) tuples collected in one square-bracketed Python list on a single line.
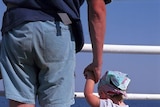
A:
[(40, 39)]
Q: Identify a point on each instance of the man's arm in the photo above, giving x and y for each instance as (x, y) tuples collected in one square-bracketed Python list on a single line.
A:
[(97, 27)]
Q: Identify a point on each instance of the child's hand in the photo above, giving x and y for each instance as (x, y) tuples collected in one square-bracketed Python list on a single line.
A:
[(89, 75)]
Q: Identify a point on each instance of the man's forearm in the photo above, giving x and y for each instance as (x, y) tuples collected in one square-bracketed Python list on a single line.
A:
[(97, 27)]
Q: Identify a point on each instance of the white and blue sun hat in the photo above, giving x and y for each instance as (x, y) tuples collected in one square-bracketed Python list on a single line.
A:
[(114, 82)]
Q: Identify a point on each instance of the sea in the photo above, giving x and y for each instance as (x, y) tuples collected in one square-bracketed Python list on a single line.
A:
[(81, 102)]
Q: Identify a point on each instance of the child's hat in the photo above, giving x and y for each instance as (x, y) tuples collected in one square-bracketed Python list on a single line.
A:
[(114, 81)]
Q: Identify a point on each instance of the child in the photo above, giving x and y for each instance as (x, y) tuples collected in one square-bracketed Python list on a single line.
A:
[(111, 89)]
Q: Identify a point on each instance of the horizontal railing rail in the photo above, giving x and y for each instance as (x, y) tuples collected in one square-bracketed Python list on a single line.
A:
[(130, 96), (130, 49)]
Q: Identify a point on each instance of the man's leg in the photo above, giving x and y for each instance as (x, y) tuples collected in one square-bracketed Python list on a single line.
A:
[(19, 104)]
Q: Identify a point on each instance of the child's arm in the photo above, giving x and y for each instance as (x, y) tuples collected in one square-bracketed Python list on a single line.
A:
[(92, 99)]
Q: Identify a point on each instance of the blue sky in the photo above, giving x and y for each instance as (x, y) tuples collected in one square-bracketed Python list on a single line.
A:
[(130, 22)]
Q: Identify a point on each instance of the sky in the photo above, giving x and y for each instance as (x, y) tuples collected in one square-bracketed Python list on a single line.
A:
[(129, 22)]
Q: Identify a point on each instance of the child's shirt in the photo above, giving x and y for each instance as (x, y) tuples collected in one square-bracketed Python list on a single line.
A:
[(109, 103)]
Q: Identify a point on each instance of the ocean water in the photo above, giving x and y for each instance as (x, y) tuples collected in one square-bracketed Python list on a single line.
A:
[(81, 102)]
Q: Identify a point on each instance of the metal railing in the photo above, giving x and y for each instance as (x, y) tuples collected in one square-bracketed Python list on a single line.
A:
[(130, 96), (130, 49)]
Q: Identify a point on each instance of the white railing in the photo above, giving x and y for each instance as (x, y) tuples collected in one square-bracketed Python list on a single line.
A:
[(131, 49), (130, 96)]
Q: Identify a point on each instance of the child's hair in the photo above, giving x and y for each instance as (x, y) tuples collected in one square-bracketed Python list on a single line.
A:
[(114, 84), (119, 97)]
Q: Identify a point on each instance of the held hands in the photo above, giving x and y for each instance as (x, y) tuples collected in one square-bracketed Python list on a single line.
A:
[(89, 75), (92, 71)]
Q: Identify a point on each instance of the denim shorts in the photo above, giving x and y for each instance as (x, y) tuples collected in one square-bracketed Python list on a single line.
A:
[(38, 59)]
